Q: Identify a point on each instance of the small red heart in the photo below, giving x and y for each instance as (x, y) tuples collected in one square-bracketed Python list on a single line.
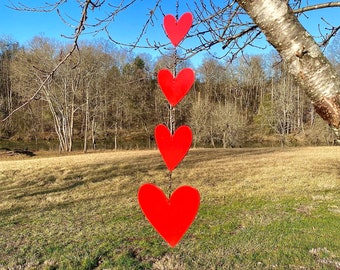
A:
[(173, 148), (172, 217), (176, 30), (175, 89)]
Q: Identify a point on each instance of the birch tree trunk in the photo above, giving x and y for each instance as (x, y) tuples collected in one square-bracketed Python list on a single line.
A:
[(305, 61)]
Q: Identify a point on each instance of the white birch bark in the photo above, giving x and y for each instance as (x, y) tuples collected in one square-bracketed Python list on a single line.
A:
[(313, 72)]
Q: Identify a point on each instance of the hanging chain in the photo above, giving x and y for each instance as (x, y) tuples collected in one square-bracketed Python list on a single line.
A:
[(172, 118)]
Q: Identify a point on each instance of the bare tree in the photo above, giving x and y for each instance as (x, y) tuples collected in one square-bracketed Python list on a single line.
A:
[(78, 30), (8, 49), (217, 117), (230, 26), (281, 110), (28, 70)]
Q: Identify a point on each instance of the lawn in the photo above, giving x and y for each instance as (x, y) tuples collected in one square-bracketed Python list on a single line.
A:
[(268, 208)]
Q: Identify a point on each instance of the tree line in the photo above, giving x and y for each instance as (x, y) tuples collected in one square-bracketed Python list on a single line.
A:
[(105, 97)]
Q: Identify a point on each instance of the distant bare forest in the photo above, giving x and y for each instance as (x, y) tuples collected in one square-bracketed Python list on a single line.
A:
[(104, 97)]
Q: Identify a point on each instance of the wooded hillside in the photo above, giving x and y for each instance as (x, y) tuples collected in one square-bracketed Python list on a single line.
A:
[(105, 97)]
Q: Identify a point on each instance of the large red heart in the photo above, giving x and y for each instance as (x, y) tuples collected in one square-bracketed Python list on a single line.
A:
[(170, 217), (175, 89), (173, 148), (176, 30)]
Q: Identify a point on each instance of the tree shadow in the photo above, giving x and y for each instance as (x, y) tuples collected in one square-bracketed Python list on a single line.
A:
[(49, 191), (89, 174), (198, 156), (134, 170)]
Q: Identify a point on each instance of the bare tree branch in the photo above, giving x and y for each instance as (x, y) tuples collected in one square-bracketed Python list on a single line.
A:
[(318, 6), (74, 47), (231, 26), (47, 8), (333, 31), (149, 21), (225, 23), (214, 24)]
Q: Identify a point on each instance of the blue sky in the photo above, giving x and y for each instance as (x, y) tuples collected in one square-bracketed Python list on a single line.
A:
[(23, 26)]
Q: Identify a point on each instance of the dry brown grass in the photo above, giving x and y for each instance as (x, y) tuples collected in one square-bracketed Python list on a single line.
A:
[(81, 212)]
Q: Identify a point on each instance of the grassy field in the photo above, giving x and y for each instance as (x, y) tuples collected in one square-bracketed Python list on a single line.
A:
[(269, 208)]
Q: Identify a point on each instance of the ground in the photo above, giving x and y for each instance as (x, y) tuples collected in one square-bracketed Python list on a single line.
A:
[(267, 208)]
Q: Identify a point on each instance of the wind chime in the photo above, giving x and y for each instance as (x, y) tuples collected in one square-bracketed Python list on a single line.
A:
[(172, 217)]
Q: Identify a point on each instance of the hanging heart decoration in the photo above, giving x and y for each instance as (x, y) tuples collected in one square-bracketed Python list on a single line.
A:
[(173, 148), (176, 30), (176, 88), (172, 217)]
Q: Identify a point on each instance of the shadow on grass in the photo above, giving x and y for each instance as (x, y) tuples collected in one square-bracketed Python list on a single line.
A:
[(196, 156), (48, 191), (133, 171), (89, 174), (132, 167)]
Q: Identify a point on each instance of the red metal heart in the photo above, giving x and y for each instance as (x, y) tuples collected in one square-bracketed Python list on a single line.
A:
[(173, 148), (176, 30), (175, 89), (172, 217)]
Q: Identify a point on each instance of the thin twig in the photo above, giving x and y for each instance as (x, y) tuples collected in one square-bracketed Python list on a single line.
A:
[(78, 32), (46, 8), (318, 6)]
